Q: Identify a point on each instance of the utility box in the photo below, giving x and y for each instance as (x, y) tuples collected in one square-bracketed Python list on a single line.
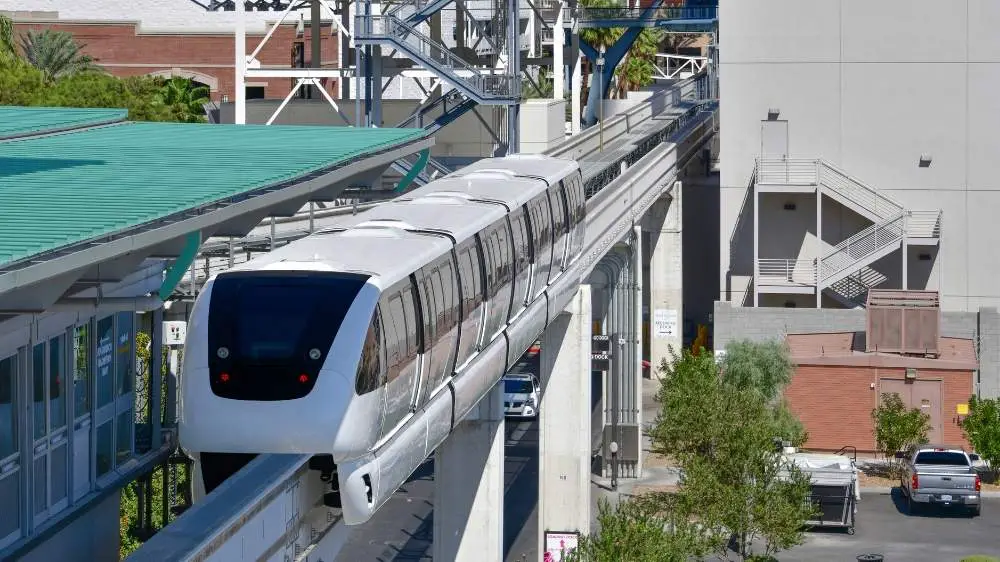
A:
[(543, 124), (907, 322)]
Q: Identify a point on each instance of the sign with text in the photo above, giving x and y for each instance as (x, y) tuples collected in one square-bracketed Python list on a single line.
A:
[(600, 353), (559, 544), (664, 323)]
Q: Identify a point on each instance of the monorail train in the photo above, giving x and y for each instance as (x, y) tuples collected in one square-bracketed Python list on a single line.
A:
[(365, 344)]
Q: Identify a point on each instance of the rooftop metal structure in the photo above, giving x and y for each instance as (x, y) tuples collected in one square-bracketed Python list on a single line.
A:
[(18, 122)]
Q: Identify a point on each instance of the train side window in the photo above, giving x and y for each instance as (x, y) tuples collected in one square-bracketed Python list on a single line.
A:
[(559, 227), (414, 331), (394, 327), (452, 307), (370, 366), (427, 305)]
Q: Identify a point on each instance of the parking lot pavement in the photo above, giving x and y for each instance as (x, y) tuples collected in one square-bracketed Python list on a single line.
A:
[(931, 535)]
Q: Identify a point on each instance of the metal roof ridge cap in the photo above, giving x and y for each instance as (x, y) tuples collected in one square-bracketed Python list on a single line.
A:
[(69, 130)]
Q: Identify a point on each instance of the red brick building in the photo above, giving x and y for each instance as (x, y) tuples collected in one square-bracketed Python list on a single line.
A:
[(206, 56), (837, 385)]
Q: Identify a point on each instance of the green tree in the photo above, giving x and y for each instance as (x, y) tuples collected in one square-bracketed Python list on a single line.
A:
[(763, 367), (982, 427), (55, 53), (637, 530), (723, 435), (7, 48), (897, 427), (184, 101), (20, 83)]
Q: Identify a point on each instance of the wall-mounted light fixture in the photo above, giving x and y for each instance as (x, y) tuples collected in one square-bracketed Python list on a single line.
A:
[(773, 113), (925, 160), (225, 98)]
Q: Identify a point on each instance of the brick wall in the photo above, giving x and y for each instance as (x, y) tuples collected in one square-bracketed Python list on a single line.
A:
[(123, 51), (835, 403), (732, 323)]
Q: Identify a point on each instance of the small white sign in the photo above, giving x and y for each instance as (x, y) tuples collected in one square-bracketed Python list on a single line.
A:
[(174, 332), (664, 323), (558, 544)]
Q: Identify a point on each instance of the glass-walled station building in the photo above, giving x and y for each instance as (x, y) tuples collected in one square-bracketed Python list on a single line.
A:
[(71, 431)]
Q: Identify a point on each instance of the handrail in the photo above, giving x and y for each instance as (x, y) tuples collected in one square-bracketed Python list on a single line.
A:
[(390, 28), (786, 272), (747, 199), (832, 177), (586, 15), (862, 245), (923, 224)]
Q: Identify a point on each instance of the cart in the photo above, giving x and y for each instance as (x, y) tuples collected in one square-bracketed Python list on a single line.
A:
[(835, 492)]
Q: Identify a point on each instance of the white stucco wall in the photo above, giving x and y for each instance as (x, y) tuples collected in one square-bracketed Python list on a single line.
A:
[(870, 86)]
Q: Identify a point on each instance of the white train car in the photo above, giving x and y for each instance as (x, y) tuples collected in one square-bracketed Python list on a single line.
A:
[(365, 344)]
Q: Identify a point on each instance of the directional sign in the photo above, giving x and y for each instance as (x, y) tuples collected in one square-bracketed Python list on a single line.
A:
[(600, 344), (600, 362)]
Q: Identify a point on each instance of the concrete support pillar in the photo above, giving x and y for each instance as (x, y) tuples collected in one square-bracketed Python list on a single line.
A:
[(564, 444), (468, 486), (665, 279), (576, 82), (558, 66)]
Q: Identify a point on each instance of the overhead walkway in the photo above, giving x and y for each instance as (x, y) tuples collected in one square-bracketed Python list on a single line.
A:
[(642, 125), (88, 202), (691, 19), (270, 509)]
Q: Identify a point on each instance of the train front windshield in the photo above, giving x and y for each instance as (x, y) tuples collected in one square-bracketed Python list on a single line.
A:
[(270, 332)]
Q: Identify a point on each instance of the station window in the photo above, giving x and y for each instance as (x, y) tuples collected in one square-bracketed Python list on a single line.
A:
[(10, 475), (81, 371)]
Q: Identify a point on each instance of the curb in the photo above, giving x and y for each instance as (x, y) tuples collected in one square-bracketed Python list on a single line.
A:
[(883, 490)]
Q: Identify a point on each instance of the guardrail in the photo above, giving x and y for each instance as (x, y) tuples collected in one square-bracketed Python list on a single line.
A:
[(786, 272), (923, 224)]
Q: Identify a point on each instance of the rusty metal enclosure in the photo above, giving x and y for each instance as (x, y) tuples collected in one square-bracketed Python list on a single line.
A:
[(903, 322)]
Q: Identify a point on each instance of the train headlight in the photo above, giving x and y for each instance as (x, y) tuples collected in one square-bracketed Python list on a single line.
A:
[(222, 352)]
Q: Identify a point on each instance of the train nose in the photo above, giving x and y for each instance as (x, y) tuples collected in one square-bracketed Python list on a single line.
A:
[(207, 422)]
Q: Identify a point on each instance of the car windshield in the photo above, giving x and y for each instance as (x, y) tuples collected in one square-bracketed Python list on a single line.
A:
[(515, 386), (941, 457)]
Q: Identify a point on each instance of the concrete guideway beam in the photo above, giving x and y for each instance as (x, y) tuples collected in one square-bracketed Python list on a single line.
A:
[(468, 486), (564, 422)]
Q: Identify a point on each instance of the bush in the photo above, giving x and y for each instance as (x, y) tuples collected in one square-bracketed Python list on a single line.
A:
[(980, 558), (897, 428), (982, 427)]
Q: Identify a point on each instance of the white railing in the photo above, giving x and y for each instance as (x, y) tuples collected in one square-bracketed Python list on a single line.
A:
[(795, 171), (862, 246), (786, 273), (786, 171), (923, 224), (856, 191)]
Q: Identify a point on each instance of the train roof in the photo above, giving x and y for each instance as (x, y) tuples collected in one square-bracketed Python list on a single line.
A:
[(390, 254), (457, 216), (525, 165), (498, 185)]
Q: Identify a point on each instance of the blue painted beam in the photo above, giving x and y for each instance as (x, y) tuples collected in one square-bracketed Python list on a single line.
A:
[(599, 82)]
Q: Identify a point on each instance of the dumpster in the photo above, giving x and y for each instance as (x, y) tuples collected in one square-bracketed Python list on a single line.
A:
[(835, 492)]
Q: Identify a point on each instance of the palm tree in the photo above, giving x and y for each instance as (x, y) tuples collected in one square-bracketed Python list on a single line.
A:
[(185, 100), (7, 48), (636, 68), (55, 53)]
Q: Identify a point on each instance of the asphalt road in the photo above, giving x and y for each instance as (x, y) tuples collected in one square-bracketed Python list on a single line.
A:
[(402, 530), (933, 535)]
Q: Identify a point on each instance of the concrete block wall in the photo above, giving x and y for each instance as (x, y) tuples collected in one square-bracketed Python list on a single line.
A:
[(760, 324)]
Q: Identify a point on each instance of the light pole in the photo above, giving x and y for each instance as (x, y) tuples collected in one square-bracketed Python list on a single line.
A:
[(600, 98)]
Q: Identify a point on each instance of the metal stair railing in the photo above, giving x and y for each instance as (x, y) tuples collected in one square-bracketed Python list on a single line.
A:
[(416, 11), (855, 191), (923, 224), (861, 249), (486, 89)]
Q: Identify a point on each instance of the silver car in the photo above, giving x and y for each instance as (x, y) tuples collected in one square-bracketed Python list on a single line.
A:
[(520, 395)]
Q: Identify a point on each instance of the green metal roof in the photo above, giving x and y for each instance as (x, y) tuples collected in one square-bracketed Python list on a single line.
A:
[(26, 121), (64, 189)]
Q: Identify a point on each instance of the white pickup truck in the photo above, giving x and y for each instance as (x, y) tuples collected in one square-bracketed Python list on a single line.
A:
[(940, 475)]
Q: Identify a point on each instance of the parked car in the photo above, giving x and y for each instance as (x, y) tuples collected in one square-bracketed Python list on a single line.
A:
[(520, 395), (940, 475)]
